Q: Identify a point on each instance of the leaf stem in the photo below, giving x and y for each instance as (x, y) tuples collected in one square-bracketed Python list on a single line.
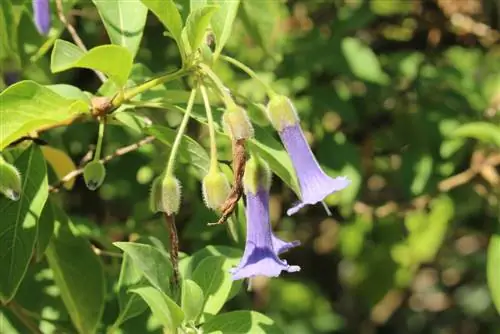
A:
[(180, 133), (100, 136), (250, 72), (133, 92), (24, 318), (228, 100), (211, 130)]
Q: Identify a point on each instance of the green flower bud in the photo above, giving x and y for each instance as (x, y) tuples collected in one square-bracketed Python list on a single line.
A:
[(165, 195), (94, 174), (10, 180), (215, 187), (257, 175), (236, 123), (281, 112)]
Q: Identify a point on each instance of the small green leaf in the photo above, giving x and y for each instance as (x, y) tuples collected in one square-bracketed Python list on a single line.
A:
[(80, 279), (493, 269), (8, 41), (151, 261), (124, 21), (69, 92), (45, 230), (26, 105), (213, 277), (130, 304), (196, 25), (362, 61), (241, 322), (222, 22), (190, 151), (113, 60), (168, 14), (19, 222), (191, 300), (483, 131), (164, 308)]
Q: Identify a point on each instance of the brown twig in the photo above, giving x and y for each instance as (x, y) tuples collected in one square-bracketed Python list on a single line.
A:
[(119, 152), (174, 247), (239, 162), (72, 31), (23, 317)]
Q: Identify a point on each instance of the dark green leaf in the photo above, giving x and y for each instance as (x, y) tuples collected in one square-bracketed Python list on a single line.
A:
[(45, 229), (78, 273), (19, 222), (124, 21)]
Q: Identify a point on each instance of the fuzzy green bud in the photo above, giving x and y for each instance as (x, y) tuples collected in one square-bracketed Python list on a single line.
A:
[(236, 123), (257, 175), (165, 195), (10, 180), (94, 174), (215, 187), (281, 112)]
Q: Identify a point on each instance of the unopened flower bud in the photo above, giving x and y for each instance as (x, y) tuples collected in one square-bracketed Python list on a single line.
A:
[(165, 195), (257, 176), (10, 180), (216, 189), (236, 123), (94, 174), (281, 112)]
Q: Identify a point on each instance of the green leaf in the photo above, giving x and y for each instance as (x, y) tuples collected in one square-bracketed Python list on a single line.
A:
[(213, 277), (362, 61), (27, 105), (69, 92), (78, 273), (8, 41), (241, 322), (19, 222), (113, 60), (164, 308), (222, 22), (131, 305), (196, 25), (124, 21), (168, 14), (152, 262), (483, 131), (190, 151), (493, 269), (192, 300), (45, 230)]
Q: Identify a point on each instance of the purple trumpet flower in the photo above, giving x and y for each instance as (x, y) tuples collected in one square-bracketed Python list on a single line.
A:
[(315, 185), (41, 11), (262, 247)]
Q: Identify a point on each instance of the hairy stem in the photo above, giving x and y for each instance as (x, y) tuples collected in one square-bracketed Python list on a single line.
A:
[(180, 133), (228, 100), (174, 247), (211, 130)]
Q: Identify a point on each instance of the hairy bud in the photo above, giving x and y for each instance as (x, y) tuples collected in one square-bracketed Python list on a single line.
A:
[(10, 180), (94, 174), (216, 189), (257, 175), (281, 112), (236, 123), (165, 195)]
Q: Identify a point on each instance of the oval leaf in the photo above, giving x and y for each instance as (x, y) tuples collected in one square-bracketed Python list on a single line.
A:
[(78, 273), (60, 162), (493, 269), (196, 25), (19, 222), (113, 60), (222, 22), (26, 106), (124, 21), (164, 308), (483, 131), (167, 13), (191, 300), (241, 322)]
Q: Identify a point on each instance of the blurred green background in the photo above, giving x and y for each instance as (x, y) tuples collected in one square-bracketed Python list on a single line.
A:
[(381, 87)]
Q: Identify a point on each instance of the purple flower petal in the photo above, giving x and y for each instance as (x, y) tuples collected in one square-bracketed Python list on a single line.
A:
[(281, 246), (260, 256), (41, 11), (315, 185)]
